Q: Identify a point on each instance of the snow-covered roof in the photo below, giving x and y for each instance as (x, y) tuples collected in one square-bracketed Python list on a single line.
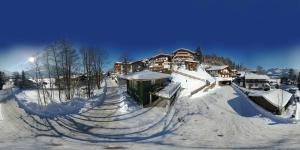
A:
[(118, 62), (137, 61), (250, 76), (161, 54), (145, 75), (169, 91), (183, 49), (191, 61), (213, 68), (277, 97)]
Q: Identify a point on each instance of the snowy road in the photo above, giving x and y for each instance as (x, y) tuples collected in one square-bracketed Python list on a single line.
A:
[(222, 118)]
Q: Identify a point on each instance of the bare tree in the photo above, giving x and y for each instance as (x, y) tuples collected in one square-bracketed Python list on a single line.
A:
[(125, 59), (98, 64), (69, 64), (87, 57)]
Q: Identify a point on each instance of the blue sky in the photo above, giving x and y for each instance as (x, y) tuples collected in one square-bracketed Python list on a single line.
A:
[(252, 32)]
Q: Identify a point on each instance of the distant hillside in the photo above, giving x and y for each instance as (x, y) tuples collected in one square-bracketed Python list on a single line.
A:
[(280, 72), (220, 60)]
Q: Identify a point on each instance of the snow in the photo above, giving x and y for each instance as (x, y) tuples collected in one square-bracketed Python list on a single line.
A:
[(53, 109), (28, 101), (200, 73), (169, 90), (224, 118), (249, 75), (277, 97), (185, 49), (277, 118), (213, 68), (146, 75), (126, 104), (189, 84), (297, 115), (1, 116)]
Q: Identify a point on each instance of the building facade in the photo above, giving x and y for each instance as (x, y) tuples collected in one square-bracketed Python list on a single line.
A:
[(121, 68), (256, 81), (160, 63), (219, 71)]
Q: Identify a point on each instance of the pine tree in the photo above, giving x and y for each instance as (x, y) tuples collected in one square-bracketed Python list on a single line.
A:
[(16, 79), (292, 74), (23, 80), (199, 55)]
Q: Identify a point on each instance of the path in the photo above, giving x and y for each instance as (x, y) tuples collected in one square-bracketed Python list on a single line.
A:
[(221, 119)]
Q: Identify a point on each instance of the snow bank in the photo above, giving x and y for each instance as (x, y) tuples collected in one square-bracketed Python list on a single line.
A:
[(127, 104), (53, 109), (27, 101), (96, 100)]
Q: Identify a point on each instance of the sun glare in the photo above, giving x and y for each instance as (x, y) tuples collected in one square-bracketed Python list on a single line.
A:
[(31, 59)]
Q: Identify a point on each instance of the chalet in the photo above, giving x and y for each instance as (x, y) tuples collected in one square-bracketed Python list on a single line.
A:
[(219, 71), (182, 54), (185, 57), (138, 66), (144, 85), (160, 63), (255, 81), (191, 65), (275, 101), (120, 68)]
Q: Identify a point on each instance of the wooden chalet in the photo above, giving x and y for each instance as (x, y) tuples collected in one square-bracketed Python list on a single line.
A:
[(219, 71), (160, 63), (119, 67), (138, 66)]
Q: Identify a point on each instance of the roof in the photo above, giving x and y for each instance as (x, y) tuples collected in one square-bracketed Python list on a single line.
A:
[(256, 76), (212, 68), (118, 62), (169, 91), (137, 61), (183, 49), (146, 75), (161, 54), (277, 97), (191, 61)]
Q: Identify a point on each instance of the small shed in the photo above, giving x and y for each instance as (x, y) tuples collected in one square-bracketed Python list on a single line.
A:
[(275, 101), (143, 85)]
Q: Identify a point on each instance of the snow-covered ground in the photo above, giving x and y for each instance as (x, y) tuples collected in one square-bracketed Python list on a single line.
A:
[(194, 80), (1, 116), (223, 118), (28, 100)]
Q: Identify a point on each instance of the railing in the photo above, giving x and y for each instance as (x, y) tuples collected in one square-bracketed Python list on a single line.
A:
[(175, 88), (169, 91)]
